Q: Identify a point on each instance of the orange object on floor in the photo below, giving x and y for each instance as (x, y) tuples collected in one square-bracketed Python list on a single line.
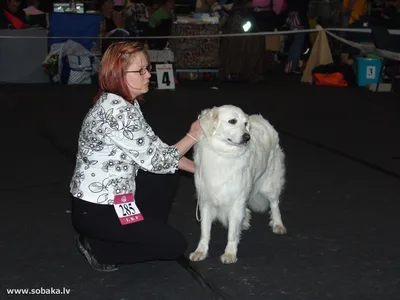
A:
[(333, 79)]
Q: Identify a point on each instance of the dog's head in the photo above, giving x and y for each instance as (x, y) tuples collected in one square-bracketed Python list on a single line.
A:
[(228, 124)]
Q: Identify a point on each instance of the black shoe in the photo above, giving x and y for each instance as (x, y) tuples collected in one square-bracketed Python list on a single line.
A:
[(84, 249)]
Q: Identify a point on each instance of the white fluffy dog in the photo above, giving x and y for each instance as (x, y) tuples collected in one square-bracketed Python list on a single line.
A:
[(239, 168)]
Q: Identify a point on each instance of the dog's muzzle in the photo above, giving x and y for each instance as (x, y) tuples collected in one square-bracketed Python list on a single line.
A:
[(245, 138)]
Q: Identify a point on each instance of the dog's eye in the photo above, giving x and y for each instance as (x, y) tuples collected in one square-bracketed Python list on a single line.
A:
[(233, 121)]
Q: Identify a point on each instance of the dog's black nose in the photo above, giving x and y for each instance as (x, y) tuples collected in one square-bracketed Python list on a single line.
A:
[(246, 137)]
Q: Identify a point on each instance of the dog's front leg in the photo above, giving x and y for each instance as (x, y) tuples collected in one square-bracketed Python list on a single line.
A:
[(234, 229), (207, 218)]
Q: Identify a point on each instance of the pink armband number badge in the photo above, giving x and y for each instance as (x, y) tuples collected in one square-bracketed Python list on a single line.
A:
[(126, 209)]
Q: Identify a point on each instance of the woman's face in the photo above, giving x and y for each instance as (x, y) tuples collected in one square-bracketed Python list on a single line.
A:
[(13, 5), (138, 76)]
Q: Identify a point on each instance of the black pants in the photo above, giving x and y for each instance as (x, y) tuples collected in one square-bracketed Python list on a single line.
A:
[(150, 239)]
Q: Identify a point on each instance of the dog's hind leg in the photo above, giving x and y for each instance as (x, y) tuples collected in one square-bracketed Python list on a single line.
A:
[(272, 192), (208, 214), (271, 195), (235, 220), (276, 219)]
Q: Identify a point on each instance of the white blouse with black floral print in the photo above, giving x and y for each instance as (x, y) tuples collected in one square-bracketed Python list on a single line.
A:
[(114, 143)]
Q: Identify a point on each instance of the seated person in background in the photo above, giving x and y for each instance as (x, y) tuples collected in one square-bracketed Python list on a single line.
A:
[(112, 18), (136, 16), (34, 15), (152, 6), (164, 13), (13, 15), (160, 24), (217, 10)]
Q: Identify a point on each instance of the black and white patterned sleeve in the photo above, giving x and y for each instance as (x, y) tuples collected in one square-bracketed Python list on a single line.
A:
[(129, 131)]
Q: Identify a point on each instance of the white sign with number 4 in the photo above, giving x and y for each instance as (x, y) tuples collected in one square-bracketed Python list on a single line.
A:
[(165, 77)]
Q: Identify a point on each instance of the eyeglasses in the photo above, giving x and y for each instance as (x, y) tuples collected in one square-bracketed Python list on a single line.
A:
[(142, 71)]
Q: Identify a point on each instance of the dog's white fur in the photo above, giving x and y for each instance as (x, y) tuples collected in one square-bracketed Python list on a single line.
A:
[(234, 177)]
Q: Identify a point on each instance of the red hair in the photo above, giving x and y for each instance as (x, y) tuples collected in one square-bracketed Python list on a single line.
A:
[(114, 63)]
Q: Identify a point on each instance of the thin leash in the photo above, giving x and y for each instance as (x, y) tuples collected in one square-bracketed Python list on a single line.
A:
[(198, 216)]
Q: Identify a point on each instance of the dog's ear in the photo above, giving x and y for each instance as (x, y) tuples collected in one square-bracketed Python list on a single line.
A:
[(209, 120)]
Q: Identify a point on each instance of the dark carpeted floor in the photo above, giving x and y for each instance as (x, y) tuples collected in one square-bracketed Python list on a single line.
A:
[(340, 205)]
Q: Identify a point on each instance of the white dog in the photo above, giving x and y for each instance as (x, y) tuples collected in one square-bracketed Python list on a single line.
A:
[(239, 166)]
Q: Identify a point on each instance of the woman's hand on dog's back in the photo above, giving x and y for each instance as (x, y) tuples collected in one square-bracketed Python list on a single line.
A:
[(195, 130)]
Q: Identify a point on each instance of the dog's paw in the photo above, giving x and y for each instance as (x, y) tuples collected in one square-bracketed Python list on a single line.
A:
[(197, 256), (228, 258), (279, 229)]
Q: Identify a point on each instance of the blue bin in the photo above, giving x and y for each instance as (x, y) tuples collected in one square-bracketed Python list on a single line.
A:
[(368, 70)]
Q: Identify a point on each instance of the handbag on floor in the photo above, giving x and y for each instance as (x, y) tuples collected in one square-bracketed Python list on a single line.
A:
[(77, 69)]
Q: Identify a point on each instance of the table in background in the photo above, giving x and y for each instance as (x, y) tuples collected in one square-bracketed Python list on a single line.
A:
[(195, 53)]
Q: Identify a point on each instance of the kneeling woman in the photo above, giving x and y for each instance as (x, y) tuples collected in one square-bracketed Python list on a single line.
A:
[(125, 177)]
